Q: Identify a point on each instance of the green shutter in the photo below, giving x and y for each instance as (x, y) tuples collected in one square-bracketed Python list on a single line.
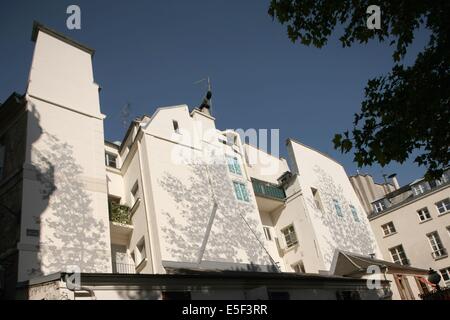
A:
[(355, 213), (237, 167), (245, 193), (338, 208), (237, 190), (230, 165)]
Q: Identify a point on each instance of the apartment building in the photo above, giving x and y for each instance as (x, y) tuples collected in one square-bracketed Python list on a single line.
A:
[(412, 227), (177, 209)]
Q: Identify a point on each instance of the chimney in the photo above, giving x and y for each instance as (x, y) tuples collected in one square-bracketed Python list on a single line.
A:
[(394, 181), (205, 107)]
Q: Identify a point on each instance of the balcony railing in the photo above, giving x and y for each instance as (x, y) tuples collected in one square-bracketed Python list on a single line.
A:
[(268, 190), (124, 268), (119, 213)]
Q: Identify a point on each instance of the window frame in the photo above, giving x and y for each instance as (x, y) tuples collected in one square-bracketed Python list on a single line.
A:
[(445, 274), (390, 228), (176, 126), (267, 233), (444, 205), (354, 213), (438, 250), (398, 253), (234, 165), (107, 160), (140, 252), (338, 208), (241, 191), (290, 243), (421, 211), (134, 193), (379, 206)]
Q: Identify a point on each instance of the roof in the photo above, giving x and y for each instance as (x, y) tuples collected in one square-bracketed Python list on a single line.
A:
[(197, 277), (313, 149), (40, 27), (351, 264)]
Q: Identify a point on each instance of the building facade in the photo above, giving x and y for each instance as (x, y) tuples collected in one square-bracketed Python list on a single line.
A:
[(412, 227), (176, 196)]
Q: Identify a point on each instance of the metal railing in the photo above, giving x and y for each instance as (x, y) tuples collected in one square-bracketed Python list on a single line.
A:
[(123, 268), (267, 189)]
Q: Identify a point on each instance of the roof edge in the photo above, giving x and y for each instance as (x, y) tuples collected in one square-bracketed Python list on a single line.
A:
[(37, 26)]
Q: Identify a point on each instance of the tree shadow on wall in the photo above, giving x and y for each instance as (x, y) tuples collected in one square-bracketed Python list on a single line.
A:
[(70, 234), (233, 228), (345, 232)]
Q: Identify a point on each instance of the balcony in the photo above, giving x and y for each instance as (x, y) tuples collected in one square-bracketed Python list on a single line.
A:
[(268, 190), (119, 213), (120, 223), (269, 196), (123, 268)]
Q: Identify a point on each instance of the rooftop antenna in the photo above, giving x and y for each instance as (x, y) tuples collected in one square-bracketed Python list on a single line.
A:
[(207, 102)]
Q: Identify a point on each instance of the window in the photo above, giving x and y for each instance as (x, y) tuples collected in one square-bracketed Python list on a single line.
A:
[(424, 214), (354, 213), (379, 206), (445, 275), (134, 193), (438, 250), (418, 189), (398, 255), (337, 206), (317, 199), (111, 160), (140, 254), (299, 267), (290, 236), (388, 228), (241, 191), (267, 233), (443, 206), (233, 165), (176, 127), (2, 159)]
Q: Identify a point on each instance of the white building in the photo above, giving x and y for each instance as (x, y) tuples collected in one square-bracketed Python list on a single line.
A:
[(176, 197), (412, 226)]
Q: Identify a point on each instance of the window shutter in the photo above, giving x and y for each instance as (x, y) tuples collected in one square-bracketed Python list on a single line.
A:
[(237, 167), (244, 193), (230, 165), (237, 190)]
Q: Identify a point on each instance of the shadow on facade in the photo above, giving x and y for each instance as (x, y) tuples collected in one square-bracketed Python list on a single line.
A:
[(70, 237), (232, 237), (345, 232)]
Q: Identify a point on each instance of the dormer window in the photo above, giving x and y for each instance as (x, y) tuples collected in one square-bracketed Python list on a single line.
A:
[(379, 206), (420, 188)]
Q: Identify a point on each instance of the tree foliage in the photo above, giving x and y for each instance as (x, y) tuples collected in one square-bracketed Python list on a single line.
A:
[(405, 112)]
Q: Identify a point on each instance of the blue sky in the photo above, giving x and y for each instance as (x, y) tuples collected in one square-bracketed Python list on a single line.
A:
[(150, 53)]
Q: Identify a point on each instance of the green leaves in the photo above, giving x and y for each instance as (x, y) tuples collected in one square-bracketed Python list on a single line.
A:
[(406, 111)]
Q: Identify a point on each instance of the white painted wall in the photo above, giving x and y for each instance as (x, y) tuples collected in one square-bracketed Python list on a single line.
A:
[(318, 171), (65, 212)]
